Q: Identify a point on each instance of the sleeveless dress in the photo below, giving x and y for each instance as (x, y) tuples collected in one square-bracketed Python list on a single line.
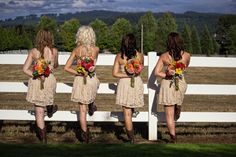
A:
[(84, 93), (168, 95), (45, 96), (128, 96)]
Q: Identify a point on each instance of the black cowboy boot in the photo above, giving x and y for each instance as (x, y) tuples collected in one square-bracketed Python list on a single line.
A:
[(130, 134), (92, 108), (41, 134), (85, 136), (51, 109)]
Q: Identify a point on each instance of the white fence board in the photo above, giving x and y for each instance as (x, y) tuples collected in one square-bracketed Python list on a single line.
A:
[(108, 59), (109, 88), (109, 116)]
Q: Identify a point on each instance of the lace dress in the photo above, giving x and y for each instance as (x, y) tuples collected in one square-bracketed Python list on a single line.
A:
[(168, 95), (128, 96), (45, 96), (84, 93)]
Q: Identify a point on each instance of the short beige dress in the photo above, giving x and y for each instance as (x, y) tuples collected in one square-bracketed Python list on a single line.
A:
[(128, 96), (42, 97), (85, 93), (168, 95)]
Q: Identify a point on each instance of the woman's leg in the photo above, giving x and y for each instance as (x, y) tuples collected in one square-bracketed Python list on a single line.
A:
[(128, 123), (41, 130), (82, 117), (83, 123), (39, 116), (169, 110)]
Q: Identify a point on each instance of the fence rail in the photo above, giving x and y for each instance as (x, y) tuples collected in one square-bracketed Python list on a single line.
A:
[(151, 88)]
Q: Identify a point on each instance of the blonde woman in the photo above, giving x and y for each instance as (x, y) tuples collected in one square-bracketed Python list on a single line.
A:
[(42, 97), (85, 85)]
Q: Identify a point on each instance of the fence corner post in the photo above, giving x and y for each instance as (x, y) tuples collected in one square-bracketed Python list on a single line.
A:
[(152, 119)]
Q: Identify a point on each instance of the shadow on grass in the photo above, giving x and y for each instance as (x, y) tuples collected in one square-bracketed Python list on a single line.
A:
[(116, 150)]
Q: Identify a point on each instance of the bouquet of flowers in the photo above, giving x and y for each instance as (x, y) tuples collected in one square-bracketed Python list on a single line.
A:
[(179, 69), (41, 70), (85, 67), (133, 67)]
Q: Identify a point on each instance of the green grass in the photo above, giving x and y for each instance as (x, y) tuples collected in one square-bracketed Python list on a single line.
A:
[(117, 150)]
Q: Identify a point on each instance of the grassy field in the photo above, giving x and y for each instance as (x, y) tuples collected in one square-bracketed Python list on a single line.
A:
[(117, 150), (65, 132)]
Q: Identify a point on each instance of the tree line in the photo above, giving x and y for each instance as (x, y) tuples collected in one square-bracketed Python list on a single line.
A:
[(155, 31)]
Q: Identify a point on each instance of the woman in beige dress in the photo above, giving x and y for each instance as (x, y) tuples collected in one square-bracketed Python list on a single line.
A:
[(84, 93), (128, 97), (171, 94), (42, 97)]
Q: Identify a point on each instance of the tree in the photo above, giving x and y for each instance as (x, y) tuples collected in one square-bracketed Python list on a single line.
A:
[(50, 24), (67, 32), (206, 42), (118, 30), (196, 45), (102, 34), (47, 23), (216, 46), (224, 32), (149, 31), (186, 34), (232, 37), (165, 25)]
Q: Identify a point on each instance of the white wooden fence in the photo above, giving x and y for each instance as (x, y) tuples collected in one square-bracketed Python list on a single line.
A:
[(151, 88)]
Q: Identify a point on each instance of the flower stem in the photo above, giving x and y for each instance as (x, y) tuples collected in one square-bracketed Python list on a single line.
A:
[(132, 81)]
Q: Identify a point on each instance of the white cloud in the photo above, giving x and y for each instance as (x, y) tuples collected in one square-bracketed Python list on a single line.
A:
[(23, 3), (79, 4)]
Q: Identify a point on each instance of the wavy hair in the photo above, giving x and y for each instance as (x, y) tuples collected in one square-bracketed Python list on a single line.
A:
[(128, 46), (44, 38), (85, 36), (175, 45)]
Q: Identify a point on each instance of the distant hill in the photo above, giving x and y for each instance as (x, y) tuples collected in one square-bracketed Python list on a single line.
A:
[(109, 17)]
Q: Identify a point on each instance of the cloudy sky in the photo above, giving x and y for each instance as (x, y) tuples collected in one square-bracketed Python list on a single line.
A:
[(13, 8)]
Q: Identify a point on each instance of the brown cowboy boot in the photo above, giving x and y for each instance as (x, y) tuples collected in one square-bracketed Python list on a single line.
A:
[(85, 136), (130, 134), (92, 108), (177, 111), (173, 138), (42, 135), (51, 109)]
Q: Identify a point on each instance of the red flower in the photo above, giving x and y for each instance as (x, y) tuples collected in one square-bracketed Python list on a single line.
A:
[(47, 71)]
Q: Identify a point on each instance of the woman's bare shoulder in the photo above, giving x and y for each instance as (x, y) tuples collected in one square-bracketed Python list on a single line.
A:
[(186, 54)]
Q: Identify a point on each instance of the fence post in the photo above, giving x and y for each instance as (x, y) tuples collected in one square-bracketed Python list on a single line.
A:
[(152, 119)]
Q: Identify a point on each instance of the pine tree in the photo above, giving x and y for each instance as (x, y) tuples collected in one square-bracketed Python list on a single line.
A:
[(186, 34), (196, 45), (206, 42)]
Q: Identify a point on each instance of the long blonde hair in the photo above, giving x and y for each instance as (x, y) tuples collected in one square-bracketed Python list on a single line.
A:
[(44, 38), (85, 36)]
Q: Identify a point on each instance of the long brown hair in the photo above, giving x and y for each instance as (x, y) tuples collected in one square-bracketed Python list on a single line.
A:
[(175, 45), (128, 46), (44, 38)]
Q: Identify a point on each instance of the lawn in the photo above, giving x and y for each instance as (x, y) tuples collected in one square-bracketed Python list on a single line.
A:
[(117, 150)]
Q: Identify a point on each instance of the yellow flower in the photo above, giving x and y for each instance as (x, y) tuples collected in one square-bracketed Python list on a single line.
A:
[(178, 71)]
